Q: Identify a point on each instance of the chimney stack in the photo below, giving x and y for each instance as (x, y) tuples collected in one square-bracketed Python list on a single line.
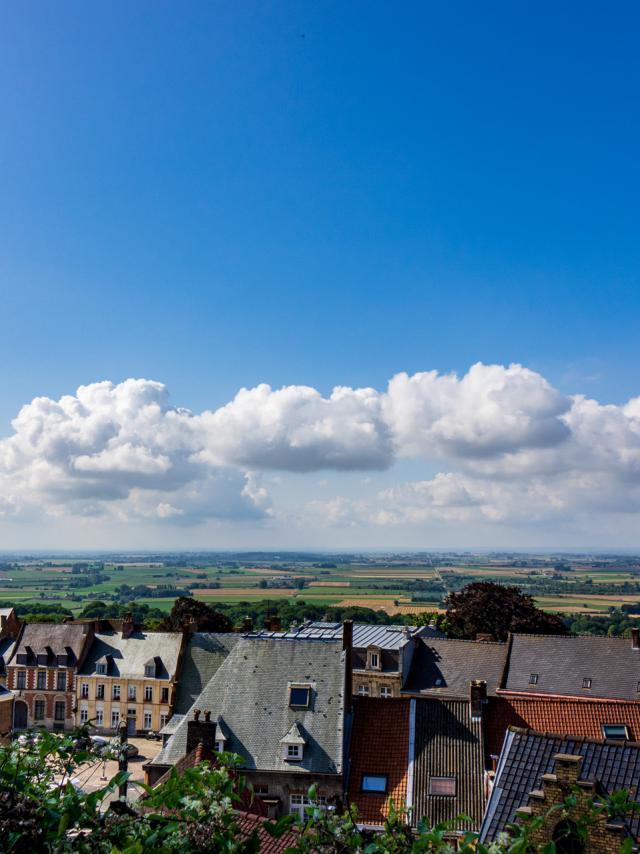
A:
[(276, 624), (635, 638), (247, 624), (127, 626), (201, 732), (477, 697), (347, 646)]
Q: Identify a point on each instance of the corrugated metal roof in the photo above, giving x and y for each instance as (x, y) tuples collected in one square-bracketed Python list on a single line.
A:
[(448, 743), (391, 637)]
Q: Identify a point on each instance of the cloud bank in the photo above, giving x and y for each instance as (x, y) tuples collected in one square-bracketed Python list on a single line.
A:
[(511, 449)]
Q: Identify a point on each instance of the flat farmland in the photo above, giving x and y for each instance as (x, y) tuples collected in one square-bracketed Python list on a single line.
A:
[(392, 587)]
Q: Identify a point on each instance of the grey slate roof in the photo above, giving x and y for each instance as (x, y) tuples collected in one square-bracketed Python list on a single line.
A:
[(448, 743), (526, 756), (250, 690), (446, 667), (204, 654), (129, 655), (7, 648), (391, 637), (171, 725), (58, 636), (561, 664)]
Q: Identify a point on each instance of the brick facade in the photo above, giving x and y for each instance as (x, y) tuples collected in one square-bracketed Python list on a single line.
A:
[(604, 836)]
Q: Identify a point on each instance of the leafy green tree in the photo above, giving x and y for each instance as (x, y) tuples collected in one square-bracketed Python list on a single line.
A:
[(185, 610)]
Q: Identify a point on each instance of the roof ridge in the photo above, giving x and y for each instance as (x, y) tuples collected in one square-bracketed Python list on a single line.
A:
[(610, 742)]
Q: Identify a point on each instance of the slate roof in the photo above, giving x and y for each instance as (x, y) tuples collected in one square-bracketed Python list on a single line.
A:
[(250, 690), (582, 718), (448, 743), (561, 664), (526, 756), (58, 636), (203, 655), (446, 667), (129, 655), (379, 745), (7, 648)]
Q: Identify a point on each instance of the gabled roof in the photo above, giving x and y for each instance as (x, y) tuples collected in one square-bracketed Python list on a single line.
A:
[(61, 637), (295, 735), (446, 667), (222, 730), (250, 690), (562, 663), (203, 655), (379, 747), (127, 656), (583, 718), (526, 756), (448, 743)]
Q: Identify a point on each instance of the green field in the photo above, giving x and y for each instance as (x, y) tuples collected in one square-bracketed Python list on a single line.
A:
[(392, 586)]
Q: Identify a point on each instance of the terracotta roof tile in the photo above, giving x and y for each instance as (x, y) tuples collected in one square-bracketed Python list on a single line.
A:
[(559, 716), (379, 745)]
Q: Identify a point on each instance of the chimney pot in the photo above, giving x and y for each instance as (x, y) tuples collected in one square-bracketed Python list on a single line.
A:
[(477, 696), (196, 714), (635, 638), (207, 715)]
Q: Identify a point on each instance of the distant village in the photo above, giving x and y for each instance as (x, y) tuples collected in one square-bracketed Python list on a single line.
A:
[(375, 716)]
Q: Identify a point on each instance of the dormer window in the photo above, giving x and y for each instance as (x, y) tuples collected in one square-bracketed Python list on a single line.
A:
[(293, 744), (373, 659), (150, 668), (299, 696), (101, 668), (219, 746)]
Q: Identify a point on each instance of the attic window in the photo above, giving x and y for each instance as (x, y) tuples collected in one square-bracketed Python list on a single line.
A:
[(374, 783), (533, 679), (150, 670), (373, 659), (586, 682), (101, 668), (299, 696), (294, 751), (619, 732), (442, 786)]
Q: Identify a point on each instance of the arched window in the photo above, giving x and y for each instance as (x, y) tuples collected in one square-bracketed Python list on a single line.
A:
[(567, 838)]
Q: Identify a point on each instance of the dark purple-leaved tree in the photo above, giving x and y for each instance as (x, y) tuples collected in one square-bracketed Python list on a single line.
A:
[(486, 608), (186, 610)]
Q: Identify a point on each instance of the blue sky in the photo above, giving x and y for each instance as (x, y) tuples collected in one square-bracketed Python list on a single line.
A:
[(216, 195)]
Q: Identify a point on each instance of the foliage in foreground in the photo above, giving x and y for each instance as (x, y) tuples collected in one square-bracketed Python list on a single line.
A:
[(42, 810)]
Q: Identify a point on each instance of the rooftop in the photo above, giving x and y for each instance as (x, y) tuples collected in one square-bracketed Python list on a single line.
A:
[(203, 655), (526, 756), (128, 656), (582, 666), (250, 691), (57, 636), (446, 667), (390, 637)]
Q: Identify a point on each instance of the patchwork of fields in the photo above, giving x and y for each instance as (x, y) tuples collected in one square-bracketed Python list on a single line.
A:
[(393, 587)]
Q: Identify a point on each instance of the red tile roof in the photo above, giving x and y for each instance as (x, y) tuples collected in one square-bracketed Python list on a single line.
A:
[(379, 745), (247, 823), (578, 717)]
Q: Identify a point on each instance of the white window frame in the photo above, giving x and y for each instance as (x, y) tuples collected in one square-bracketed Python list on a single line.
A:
[(131, 693), (148, 719), (386, 691), (115, 691), (164, 717), (99, 717), (293, 752), (148, 693), (299, 803), (84, 690), (363, 690), (115, 718), (84, 714)]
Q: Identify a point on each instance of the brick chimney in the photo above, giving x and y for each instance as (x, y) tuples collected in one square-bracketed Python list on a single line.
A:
[(477, 697), (127, 626), (276, 624), (247, 624), (347, 646), (201, 731), (635, 638)]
